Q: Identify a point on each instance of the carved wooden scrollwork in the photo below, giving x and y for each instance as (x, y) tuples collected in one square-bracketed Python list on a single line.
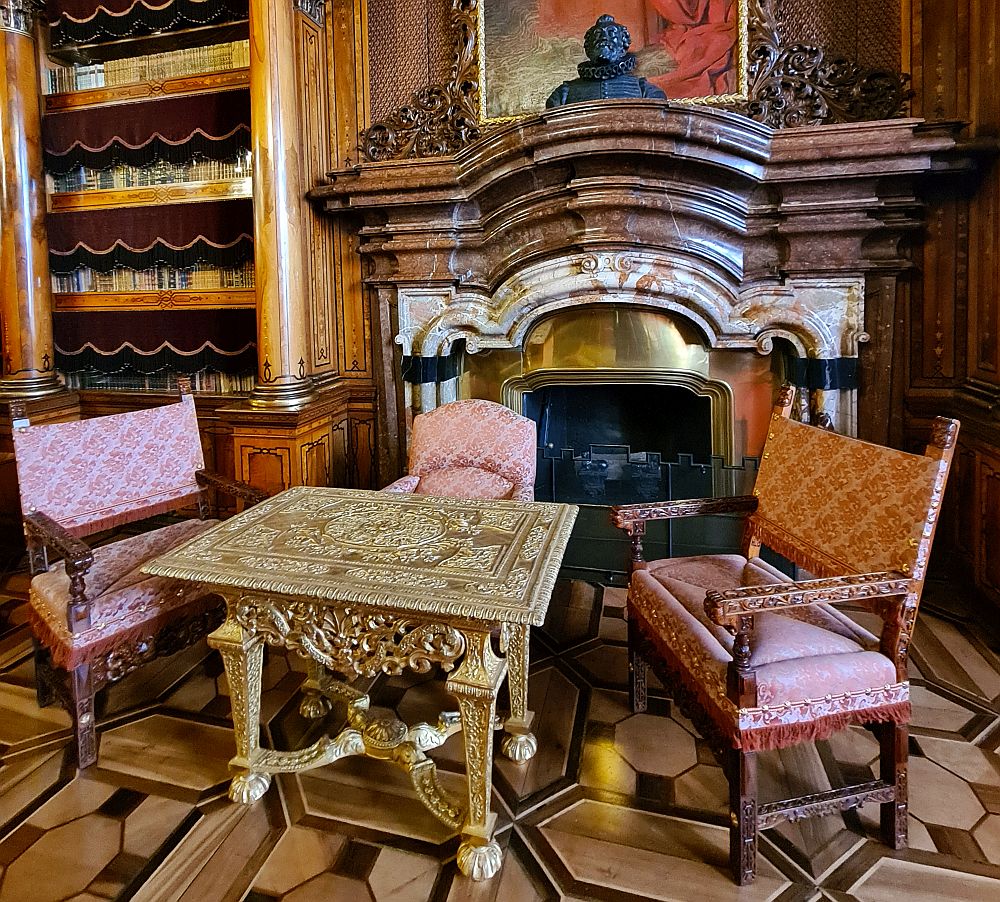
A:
[(799, 84), (440, 119)]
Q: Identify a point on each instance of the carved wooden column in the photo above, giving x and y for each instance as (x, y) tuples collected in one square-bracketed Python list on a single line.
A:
[(280, 230), (25, 283)]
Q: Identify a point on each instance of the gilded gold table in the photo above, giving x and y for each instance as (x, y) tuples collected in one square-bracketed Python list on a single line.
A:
[(362, 583)]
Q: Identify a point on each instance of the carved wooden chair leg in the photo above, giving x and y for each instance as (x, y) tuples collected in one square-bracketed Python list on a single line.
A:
[(45, 689), (894, 742), (82, 688), (636, 670), (741, 770)]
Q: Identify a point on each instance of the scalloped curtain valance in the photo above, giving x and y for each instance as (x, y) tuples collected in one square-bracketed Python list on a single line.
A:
[(218, 223), (85, 21), (228, 333), (139, 134), (158, 254)]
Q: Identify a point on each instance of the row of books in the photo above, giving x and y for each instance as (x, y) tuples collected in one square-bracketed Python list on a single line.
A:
[(162, 172), (204, 380), (200, 277), (154, 67)]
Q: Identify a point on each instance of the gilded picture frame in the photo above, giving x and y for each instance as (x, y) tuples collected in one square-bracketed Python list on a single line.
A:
[(527, 48)]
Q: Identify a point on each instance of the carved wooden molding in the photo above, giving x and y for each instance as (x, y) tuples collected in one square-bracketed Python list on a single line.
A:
[(789, 85), (19, 15), (439, 120), (798, 84)]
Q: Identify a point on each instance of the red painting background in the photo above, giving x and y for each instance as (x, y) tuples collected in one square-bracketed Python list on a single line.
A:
[(700, 35)]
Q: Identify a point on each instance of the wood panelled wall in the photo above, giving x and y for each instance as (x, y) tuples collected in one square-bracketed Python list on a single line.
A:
[(952, 303)]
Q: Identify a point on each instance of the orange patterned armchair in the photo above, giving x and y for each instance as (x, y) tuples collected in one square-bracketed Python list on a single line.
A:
[(94, 615), (763, 662), (471, 449)]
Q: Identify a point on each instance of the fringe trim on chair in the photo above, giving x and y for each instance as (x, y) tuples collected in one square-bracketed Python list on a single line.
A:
[(94, 523), (783, 735), (67, 657)]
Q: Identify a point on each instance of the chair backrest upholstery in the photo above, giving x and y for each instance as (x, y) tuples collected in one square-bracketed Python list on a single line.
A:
[(96, 473), (837, 505), (474, 433)]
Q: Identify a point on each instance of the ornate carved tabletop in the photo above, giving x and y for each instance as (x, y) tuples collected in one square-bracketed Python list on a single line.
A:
[(362, 583)]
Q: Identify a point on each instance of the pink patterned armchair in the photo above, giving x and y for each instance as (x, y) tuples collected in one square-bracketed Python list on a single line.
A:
[(762, 662), (471, 449), (95, 617)]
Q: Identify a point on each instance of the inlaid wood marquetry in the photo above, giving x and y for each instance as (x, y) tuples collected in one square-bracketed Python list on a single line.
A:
[(165, 299), (181, 86), (151, 195)]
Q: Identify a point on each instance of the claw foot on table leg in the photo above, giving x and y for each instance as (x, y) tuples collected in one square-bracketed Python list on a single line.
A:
[(519, 747), (247, 788), (479, 861)]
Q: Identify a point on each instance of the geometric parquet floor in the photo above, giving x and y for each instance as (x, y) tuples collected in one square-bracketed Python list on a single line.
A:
[(613, 807)]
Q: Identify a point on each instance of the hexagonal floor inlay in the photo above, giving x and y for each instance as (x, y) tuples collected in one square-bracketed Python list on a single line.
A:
[(655, 745)]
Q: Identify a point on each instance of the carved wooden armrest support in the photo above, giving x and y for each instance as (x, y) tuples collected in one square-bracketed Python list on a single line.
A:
[(40, 528), (42, 532), (632, 517), (241, 490), (732, 606), (629, 516)]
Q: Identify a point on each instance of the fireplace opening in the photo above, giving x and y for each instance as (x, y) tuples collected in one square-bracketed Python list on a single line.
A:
[(606, 444)]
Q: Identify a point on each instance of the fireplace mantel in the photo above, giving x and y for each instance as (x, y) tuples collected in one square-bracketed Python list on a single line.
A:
[(748, 232)]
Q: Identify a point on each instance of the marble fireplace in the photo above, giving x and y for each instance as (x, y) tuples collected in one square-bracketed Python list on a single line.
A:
[(644, 243)]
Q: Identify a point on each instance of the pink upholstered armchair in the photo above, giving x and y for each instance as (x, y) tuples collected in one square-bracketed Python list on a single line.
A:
[(95, 617), (761, 662), (471, 449)]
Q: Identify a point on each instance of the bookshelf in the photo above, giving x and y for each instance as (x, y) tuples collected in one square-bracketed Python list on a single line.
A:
[(146, 140)]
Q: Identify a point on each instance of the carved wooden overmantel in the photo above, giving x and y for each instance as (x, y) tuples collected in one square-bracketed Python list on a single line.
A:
[(710, 214)]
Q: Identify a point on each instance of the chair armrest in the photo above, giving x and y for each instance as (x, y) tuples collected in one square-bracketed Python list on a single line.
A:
[(241, 490), (627, 516), (726, 608), (41, 529), (405, 485)]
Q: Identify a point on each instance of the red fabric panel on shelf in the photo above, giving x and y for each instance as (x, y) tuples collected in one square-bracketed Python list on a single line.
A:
[(228, 331), (134, 124), (220, 222)]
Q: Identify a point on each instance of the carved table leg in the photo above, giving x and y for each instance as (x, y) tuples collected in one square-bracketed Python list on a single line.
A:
[(314, 703), (519, 743), (475, 685), (243, 658)]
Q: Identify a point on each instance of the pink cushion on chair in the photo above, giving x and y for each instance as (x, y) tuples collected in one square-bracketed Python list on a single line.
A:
[(811, 662), (123, 598), (464, 482)]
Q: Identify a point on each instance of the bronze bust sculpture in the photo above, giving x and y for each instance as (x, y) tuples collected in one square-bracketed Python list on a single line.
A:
[(607, 73)]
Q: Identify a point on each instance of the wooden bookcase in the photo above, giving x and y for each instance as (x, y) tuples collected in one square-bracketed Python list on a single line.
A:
[(141, 78)]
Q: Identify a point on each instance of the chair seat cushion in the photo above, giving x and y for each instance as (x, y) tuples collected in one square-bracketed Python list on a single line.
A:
[(124, 602), (464, 482), (812, 664)]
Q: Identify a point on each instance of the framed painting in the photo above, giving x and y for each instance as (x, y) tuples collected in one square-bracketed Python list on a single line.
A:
[(695, 50)]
